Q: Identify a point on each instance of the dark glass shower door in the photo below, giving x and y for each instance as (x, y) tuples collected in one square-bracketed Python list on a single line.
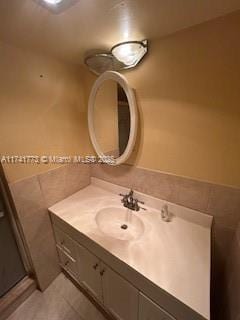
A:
[(11, 266)]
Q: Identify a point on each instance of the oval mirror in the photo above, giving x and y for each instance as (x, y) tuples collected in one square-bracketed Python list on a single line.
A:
[(112, 118)]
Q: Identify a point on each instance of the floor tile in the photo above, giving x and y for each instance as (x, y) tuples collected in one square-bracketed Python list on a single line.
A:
[(76, 299), (61, 301)]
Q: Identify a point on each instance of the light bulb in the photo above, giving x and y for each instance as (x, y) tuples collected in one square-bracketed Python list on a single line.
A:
[(130, 53), (52, 2)]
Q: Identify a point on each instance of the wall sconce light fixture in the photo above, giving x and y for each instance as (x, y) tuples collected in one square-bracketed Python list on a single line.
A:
[(130, 52)]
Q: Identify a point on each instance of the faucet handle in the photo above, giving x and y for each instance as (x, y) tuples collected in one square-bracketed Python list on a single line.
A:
[(136, 205)]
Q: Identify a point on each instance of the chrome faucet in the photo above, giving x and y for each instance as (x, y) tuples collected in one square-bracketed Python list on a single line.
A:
[(130, 202)]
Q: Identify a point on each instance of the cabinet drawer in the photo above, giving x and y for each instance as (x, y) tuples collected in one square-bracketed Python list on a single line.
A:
[(65, 242), (67, 262), (148, 310)]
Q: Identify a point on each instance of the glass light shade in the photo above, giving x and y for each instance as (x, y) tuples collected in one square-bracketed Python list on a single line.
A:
[(130, 53), (53, 1)]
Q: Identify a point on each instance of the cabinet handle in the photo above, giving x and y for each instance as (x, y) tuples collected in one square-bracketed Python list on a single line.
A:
[(102, 272), (66, 263), (95, 266)]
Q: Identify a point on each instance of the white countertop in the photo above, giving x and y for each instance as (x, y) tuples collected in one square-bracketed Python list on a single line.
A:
[(176, 255)]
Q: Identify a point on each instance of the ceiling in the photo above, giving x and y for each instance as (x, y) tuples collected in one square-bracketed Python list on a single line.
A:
[(90, 24)]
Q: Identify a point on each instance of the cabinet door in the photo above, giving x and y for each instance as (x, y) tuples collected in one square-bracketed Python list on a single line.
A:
[(148, 310), (88, 275), (119, 296)]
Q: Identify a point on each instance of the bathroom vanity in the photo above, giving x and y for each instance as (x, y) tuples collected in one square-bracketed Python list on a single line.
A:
[(135, 264)]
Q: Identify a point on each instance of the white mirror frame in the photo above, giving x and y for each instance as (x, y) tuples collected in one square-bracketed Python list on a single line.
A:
[(121, 80)]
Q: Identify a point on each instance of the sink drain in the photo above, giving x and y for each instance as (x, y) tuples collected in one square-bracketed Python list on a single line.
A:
[(124, 226)]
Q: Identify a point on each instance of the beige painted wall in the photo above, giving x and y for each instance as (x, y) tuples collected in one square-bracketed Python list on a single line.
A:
[(188, 91), (39, 115)]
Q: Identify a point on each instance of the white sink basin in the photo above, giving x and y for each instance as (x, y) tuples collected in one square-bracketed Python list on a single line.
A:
[(119, 223)]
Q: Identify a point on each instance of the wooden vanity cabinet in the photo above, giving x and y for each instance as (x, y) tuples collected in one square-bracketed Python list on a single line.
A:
[(148, 310), (67, 262), (107, 286), (65, 243), (120, 297), (89, 268), (66, 252)]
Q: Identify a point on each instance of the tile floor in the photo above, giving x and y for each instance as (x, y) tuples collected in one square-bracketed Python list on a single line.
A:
[(61, 301)]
